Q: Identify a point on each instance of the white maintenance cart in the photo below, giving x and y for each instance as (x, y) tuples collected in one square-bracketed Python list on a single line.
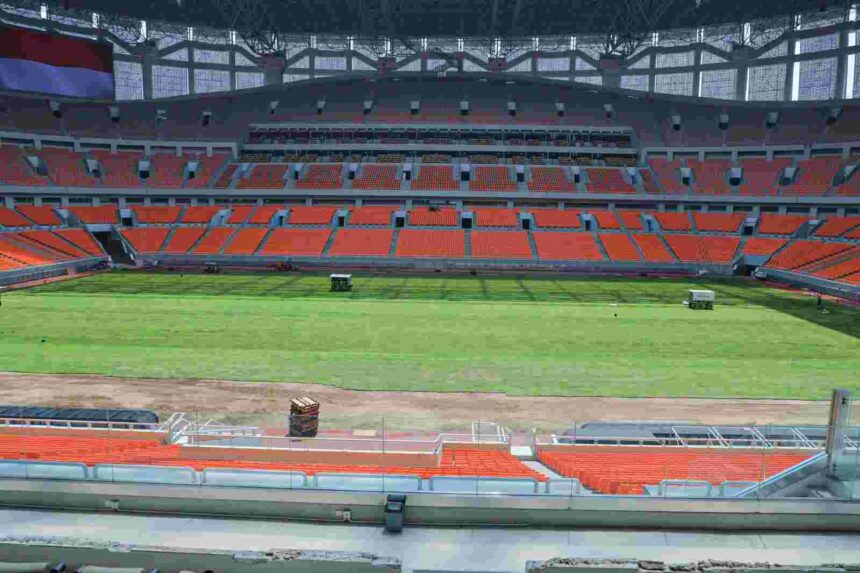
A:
[(701, 299), (341, 283)]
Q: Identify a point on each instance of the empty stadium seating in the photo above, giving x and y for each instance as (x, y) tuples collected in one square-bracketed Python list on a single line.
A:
[(13, 249), (500, 245), (802, 252), (711, 176), (567, 246), (765, 246), (166, 171), (653, 248), (120, 169), (377, 177), (431, 243), (246, 241), (608, 181), (605, 219), (101, 215), (718, 222), (632, 219), (239, 214), (760, 175), (491, 178), (225, 177), (207, 168), (82, 240), (14, 169), (554, 219), (321, 177), (669, 175), (773, 224), (552, 179), (673, 221), (214, 241), (361, 243), (264, 214), (814, 176), (619, 247), (11, 218), (434, 217), (67, 168), (200, 214), (837, 226), (296, 242), (40, 215), (183, 239), (703, 248), (156, 214), (48, 242), (264, 176), (626, 470), (372, 215), (147, 239), (316, 215), (491, 217), (435, 178)]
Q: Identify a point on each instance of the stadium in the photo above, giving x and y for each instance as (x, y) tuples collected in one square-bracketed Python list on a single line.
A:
[(429, 286)]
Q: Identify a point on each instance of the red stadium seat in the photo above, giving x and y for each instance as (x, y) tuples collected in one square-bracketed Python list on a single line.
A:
[(561, 246), (361, 243), (500, 245), (297, 242), (431, 243)]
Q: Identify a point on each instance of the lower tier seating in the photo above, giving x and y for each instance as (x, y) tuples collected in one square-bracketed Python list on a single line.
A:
[(119, 169), (377, 177), (552, 179), (239, 214), (361, 243), (673, 221), (763, 245), (435, 178), (264, 176), (703, 248), (555, 219), (490, 217), (608, 181), (20, 255), (183, 239), (500, 245), (605, 219), (296, 242), (101, 215), (840, 270), (226, 177), (51, 243), (632, 219), (803, 252), (200, 214), (619, 247), (11, 218), (837, 226), (264, 213), (146, 239), (492, 178), (431, 243), (41, 215), (214, 241), (626, 470), (321, 177), (82, 240), (653, 248), (246, 241), (567, 246)]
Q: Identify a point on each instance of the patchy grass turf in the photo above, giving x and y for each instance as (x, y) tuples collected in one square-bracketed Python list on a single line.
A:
[(535, 336)]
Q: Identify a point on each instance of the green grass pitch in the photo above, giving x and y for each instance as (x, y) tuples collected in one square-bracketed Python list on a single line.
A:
[(521, 336)]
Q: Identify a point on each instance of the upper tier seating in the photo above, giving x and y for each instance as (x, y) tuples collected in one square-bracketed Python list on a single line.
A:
[(608, 181), (264, 213), (264, 176), (161, 214), (101, 215), (719, 222), (492, 217), (673, 221), (765, 246), (239, 213), (67, 168), (14, 169), (361, 243), (119, 170), (82, 240), (320, 176), (605, 219), (653, 248), (773, 224), (555, 219), (246, 241), (377, 177), (208, 167), (315, 215), (803, 252), (632, 219), (491, 178), (42, 215), (760, 176), (435, 178), (440, 217), (183, 239), (649, 184), (372, 215), (703, 248), (669, 174), (298, 242), (223, 181), (166, 171), (619, 247), (711, 176), (814, 177), (214, 241), (851, 187), (836, 226), (147, 239), (626, 470), (567, 246), (551, 179), (11, 218), (431, 243), (500, 245), (200, 214)]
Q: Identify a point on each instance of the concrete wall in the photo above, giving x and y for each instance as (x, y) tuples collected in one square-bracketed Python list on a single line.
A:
[(577, 565), (332, 457), (85, 433)]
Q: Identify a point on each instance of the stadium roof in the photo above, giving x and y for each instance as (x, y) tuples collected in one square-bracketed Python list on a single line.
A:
[(453, 18)]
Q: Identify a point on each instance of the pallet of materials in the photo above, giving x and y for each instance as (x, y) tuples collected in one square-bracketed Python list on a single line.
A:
[(304, 417)]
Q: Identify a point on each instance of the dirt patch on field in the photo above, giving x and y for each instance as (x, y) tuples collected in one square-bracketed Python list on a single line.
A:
[(266, 404)]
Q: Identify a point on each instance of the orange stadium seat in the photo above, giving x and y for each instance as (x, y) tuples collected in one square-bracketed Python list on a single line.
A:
[(711, 176), (372, 215), (183, 239), (361, 243), (632, 219), (673, 221), (669, 174), (377, 177), (703, 248), (161, 214), (44, 215), (120, 169), (239, 214), (11, 218), (718, 222), (52, 244), (803, 252), (263, 215), (246, 241), (550, 179), (223, 181), (653, 248), (312, 215), (773, 224), (435, 178), (67, 168), (760, 175), (605, 219), (207, 168), (146, 240), (214, 241), (264, 176), (14, 169), (500, 245), (101, 215), (321, 177), (439, 217), (298, 242), (814, 176), (431, 243), (492, 217), (82, 240), (765, 246), (555, 219), (561, 246), (837, 226), (200, 214), (619, 247), (608, 181), (492, 178), (166, 171)]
